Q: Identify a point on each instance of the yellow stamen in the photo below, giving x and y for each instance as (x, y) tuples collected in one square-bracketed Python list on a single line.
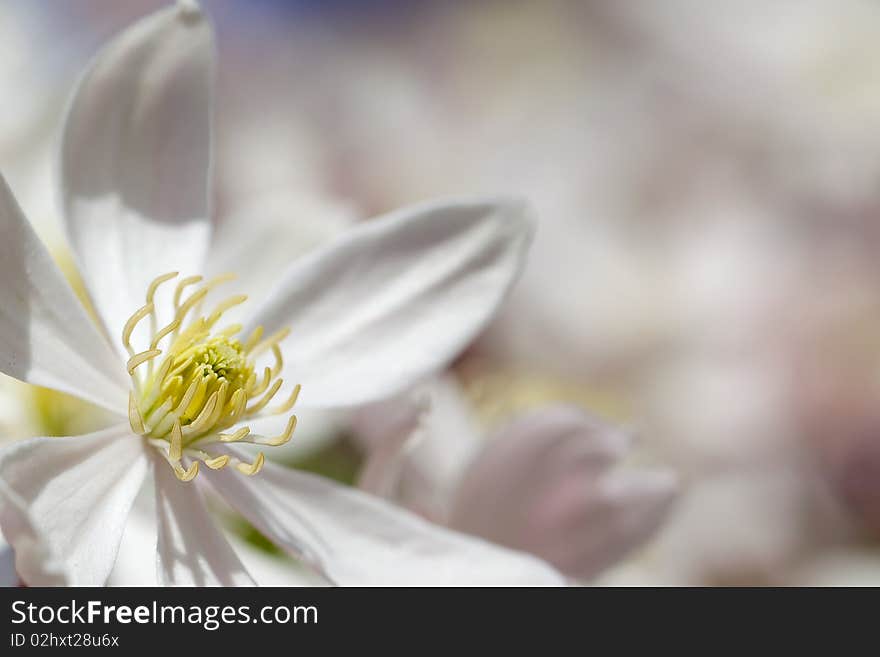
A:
[(288, 404), (284, 436), (256, 408), (202, 385), (253, 339), (186, 475), (173, 326), (134, 416), (223, 306), (235, 437), (175, 449), (130, 325), (217, 462), (275, 338), (181, 286), (139, 359), (251, 468)]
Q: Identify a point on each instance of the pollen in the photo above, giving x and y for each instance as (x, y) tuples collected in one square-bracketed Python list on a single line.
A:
[(195, 385)]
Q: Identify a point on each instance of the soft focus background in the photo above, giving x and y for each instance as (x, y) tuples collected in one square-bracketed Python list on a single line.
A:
[(707, 178)]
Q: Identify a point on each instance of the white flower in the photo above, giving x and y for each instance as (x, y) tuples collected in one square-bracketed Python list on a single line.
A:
[(379, 308), (550, 482)]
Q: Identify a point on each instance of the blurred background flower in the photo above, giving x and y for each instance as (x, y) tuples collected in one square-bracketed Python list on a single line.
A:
[(706, 179)]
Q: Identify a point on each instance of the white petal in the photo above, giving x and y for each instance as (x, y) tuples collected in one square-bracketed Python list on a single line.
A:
[(546, 485), (46, 337), (355, 539), (272, 569), (135, 160), (138, 550), (259, 238), (395, 299), (78, 492), (192, 552), (34, 555)]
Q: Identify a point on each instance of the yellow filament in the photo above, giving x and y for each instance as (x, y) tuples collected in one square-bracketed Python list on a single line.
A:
[(181, 286), (223, 306), (173, 326), (275, 338), (256, 408), (251, 468), (134, 416), (175, 449), (284, 436), (130, 325), (139, 359), (186, 475), (253, 339), (192, 300), (289, 402), (151, 290), (230, 330), (218, 462), (201, 422), (261, 388), (279, 360), (235, 437)]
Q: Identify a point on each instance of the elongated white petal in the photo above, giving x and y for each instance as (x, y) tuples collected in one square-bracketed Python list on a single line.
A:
[(34, 554), (396, 298), (546, 484), (135, 159), (192, 552), (46, 337), (77, 492), (355, 539)]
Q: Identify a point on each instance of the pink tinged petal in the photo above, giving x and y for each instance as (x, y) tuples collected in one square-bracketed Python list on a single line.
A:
[(46, 337), (395, 299), (546, 485), (384, 430), (77, 492), (34, 555), (192, 552), (135, 160), (355, 539), (8, 576), (418, 445)]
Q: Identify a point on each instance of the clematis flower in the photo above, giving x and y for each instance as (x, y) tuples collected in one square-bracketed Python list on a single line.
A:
[(371, 313), (550, 482)]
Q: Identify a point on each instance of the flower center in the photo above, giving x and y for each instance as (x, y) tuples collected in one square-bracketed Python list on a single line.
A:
[(206, 382)]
